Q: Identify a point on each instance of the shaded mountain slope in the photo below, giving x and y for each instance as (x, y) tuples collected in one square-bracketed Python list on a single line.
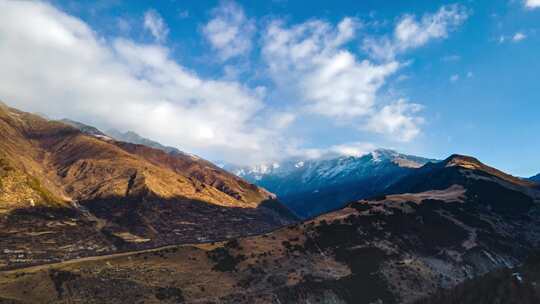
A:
[(520, 285), (469, 173), (312, 187), (65, 193), (397, 248), (535, 178)]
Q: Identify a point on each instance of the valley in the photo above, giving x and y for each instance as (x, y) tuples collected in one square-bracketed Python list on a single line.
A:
[(448, 223)]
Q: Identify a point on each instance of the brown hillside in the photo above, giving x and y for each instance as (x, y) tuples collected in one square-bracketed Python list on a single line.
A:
[(66, 194), (80, 167)]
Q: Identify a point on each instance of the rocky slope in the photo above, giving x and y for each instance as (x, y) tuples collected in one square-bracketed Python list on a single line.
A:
[(454, 221), (535, 178), (520, 285), (312, 187), (64, 194)]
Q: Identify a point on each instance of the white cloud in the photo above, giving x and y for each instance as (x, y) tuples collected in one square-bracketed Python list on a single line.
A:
[(346, 149), (125, 85), (282, 120), (518, 37), (353, 149), (398, 119), (156, 25), (532, 3), (230, 31), (470, 74), (411, 33), (309, 61), (454, 78), (120, 83)]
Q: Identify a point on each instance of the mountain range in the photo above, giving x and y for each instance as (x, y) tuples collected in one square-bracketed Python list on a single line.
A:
[(536, 178), (452, 222), (311, 187)]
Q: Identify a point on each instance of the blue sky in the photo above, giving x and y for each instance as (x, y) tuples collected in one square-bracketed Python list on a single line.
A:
[(256, 81)]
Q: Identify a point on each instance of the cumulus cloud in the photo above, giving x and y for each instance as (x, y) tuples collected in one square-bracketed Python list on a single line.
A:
[(399, 119), (282, 120), (119, 83), (155, 25), (532, 3), (410, 33), (126, 85), (229, 31), (518, 37), (309, 61)]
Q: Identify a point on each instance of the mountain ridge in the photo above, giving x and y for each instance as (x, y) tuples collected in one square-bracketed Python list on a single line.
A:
[(134, 138), (119, 196), (396, 248), (171, 158), (312, 187)]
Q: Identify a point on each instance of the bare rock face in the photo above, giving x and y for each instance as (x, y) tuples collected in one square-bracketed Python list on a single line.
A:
[(65, 194), (447, 223)]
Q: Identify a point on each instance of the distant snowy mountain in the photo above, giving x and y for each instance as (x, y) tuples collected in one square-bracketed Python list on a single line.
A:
[(87, 129), (313, 186), (128, 136), (134, 138)]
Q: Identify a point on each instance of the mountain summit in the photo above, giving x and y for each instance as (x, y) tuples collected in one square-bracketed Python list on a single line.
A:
[(314, 186), (456, 169)]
